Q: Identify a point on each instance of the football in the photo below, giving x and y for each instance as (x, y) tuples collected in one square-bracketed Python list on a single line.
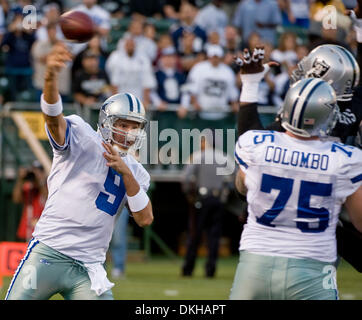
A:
[(77, 26)]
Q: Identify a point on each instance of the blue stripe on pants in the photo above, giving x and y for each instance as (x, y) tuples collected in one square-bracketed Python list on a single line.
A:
[(31, 245)]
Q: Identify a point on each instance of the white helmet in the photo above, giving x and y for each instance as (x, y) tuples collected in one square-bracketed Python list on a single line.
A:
[(334, 64), (310, 108), (122, 106)]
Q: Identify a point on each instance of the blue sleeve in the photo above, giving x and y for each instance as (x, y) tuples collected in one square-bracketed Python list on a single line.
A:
[(238, 16), (201, 33), (56, 146), (7, 39), (244, 149), (175, 35)]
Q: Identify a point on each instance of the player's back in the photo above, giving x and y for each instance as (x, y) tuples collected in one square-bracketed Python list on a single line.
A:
[(295, 191)]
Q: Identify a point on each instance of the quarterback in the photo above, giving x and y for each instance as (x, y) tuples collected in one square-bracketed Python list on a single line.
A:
[(93, 176), (295, 183)]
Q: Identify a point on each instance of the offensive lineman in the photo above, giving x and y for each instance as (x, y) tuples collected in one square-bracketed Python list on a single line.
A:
[(295, 183), (91, 179), (337, 66), (332, 63)]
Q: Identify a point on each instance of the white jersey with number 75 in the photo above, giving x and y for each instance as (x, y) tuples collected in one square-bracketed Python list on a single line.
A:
[(295, 192)]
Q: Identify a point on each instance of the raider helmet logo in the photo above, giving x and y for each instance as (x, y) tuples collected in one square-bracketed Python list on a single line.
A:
[(319, 69)]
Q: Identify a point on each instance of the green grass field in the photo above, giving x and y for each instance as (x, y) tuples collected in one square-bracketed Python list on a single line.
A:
[(159, 279)]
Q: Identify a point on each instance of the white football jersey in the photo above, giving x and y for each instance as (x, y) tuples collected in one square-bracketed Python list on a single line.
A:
[(84, 195), (100, 16), (295, 192), (214, 87), (130, 74)]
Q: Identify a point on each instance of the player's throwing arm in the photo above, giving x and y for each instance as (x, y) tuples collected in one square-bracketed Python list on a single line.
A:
[(51, 103)]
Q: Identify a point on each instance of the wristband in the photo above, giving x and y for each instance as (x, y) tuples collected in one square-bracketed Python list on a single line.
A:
[(139, 201), (51, 110), (249, 92)]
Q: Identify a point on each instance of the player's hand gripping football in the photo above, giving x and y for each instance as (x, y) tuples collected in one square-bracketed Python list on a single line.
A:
[(114, 160), (253, 64), (57, 58)]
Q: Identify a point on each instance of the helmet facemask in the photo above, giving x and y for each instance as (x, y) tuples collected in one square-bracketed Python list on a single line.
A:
[(127, 136), (123, 140), (132, 138), (331, 63)]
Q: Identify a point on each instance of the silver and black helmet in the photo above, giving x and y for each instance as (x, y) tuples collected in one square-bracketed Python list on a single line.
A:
[(334, 64)]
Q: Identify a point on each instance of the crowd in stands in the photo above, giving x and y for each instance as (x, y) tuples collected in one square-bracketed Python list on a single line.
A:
[(153, 49)]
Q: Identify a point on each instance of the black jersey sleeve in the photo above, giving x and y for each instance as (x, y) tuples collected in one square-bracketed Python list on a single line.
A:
[(359, 56), (249, 119)]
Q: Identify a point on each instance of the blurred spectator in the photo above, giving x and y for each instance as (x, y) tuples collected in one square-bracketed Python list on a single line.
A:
[(232, 39), (229, 6), (91, 84), (17, 43), (295, 12), (144, 44), (101, 19), (150, 31), (117, 9), (281, 80), (253, 41), (130, 71), (164, 41), (267, 84), (261, 16), (40, 4), (189, 57), (213, 38), (40, 51), (51, 16), (149, 8), (212, 88), (320, 35), (285, 53), (206, 192), (301, 51), (4, 9), (169, 80), (187, 25), (352, 42), (320, 8), (212, 18), (31, 191), (93, 45), (231, 47), (171, 8), (317, 7)]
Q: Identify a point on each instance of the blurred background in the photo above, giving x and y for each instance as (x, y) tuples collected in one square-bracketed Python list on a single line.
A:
[(148, 48)]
